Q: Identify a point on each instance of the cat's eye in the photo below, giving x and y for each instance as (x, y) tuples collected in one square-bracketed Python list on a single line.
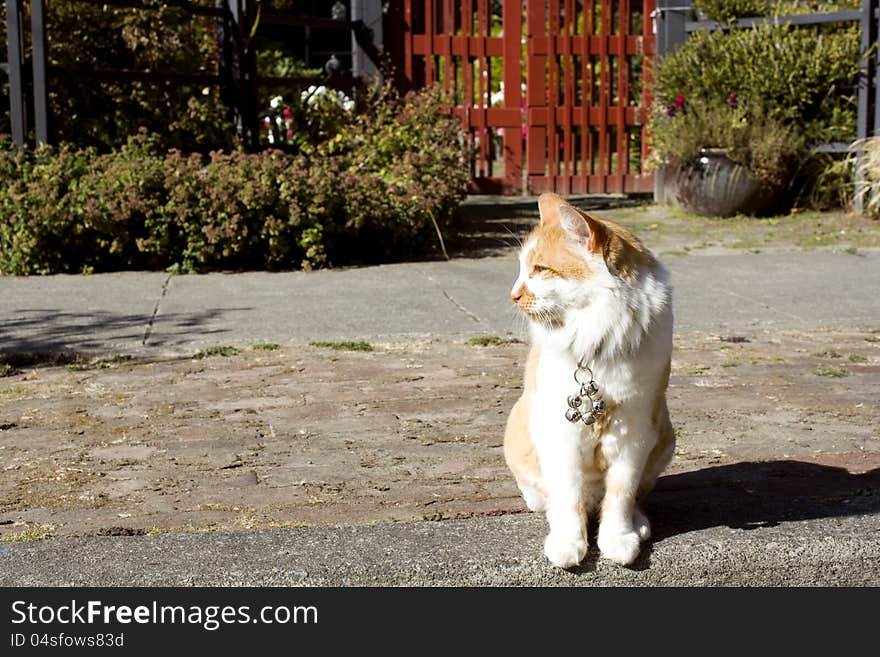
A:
[(537, 269)]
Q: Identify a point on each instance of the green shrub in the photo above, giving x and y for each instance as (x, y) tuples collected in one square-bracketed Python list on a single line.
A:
[(800, 79), (726, 11), (39, 228), (121, 197), (767, 147), (868, 181), (824, 181), (767, 94), (88, 36), (375, 191), (220, 206)]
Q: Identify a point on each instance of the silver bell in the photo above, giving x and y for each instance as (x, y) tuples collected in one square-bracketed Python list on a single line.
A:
[(572, 415), (589, 419), (593, 388), (599, 406), (574, 401)]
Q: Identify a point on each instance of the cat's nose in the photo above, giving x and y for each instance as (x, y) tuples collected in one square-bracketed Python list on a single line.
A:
[(517, 294)]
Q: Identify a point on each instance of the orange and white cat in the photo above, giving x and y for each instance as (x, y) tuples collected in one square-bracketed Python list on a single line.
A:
[(593, 294)]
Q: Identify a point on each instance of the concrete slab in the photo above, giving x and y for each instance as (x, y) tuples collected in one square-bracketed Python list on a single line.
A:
[(502, 551), (108, 313), (113, 312)]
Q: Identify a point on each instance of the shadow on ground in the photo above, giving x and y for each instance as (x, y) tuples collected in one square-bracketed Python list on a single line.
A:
[(489, 225), (47, 332), (747, 495), (750, 495)]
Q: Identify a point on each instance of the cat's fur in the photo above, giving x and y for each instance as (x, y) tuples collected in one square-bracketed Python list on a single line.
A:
[(591, 290)]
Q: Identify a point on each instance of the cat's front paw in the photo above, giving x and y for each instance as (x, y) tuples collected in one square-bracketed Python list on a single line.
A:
[(619, 547), (565, 551), (641, 524)]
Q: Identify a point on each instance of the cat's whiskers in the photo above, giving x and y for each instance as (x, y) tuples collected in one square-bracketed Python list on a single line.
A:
[(544, 316), (516, 238), (520, 323), (514, 244)]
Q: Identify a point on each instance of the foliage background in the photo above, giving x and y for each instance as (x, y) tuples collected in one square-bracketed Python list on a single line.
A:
[(148, 175), (90, 112), (379, 189), (768, 94)]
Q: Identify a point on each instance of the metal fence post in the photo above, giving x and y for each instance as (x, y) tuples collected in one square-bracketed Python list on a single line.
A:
[(369, 12), (225, 60), (669, 25), (868, 92), (238, 69), (249, 76), (38, 59), (670, 17), (14, 59), (873, 84)]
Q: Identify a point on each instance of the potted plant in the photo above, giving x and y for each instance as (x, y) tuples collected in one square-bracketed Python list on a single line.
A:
[(735, 110), (724, 160)]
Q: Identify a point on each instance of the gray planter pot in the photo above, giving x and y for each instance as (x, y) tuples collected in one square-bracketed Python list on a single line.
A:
[(715, 186)]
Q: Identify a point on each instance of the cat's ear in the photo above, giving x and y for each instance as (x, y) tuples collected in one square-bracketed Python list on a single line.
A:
[(580, 228), (548, 207)]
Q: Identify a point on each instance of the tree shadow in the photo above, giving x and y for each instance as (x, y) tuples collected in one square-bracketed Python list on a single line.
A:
[(490, 225), (48, 332), (750, 495)]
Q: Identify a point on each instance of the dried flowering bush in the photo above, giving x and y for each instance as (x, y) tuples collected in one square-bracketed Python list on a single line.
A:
[(379, 189)]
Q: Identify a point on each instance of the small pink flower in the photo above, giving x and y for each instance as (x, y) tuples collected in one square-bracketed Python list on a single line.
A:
[(732, 102), (677, 105)]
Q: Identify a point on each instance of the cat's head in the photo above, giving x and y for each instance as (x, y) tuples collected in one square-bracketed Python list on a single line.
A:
[(570, 259)]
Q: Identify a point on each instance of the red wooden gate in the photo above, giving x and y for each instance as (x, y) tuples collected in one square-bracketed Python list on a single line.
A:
[(579, 110)]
